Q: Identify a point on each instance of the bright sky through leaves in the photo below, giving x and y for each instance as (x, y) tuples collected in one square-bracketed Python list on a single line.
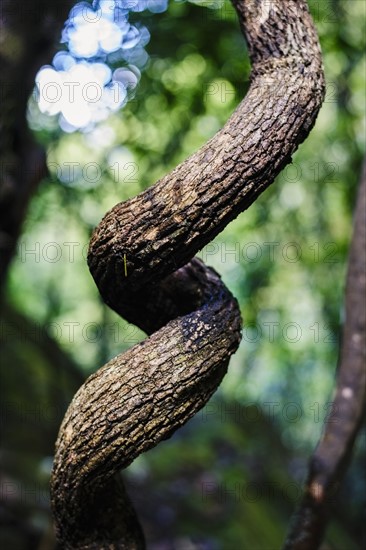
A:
[(79, 86)]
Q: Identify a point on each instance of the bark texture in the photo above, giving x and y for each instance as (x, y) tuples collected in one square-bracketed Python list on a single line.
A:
[(141, 259)]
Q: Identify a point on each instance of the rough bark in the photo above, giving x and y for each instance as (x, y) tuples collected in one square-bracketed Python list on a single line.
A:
[(133, 402), (29, 34), (140, 257), (333, 453)]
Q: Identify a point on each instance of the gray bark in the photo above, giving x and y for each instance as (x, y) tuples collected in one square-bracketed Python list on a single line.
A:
[(144, 395)]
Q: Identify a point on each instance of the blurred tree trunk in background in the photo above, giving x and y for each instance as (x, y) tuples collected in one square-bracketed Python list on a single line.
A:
[(29, 34)]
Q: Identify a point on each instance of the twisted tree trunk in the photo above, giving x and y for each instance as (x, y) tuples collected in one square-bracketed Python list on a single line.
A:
[(141, 259)]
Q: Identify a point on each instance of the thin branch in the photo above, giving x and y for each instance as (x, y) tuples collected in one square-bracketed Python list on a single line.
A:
[(333, 453)]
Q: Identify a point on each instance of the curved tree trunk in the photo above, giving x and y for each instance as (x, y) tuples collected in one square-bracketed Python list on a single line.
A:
[(141, 259)]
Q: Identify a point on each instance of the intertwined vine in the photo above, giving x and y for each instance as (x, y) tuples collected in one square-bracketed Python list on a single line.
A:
[(142, 396)]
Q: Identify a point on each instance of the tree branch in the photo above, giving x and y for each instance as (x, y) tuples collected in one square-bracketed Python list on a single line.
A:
[(138, 257), (333, 453)]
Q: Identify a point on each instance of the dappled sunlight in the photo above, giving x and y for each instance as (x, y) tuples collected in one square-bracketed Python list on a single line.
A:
[(80, 87), (115, 110)]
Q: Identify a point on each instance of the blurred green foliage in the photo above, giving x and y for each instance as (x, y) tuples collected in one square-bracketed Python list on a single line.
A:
[(284, 259)]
